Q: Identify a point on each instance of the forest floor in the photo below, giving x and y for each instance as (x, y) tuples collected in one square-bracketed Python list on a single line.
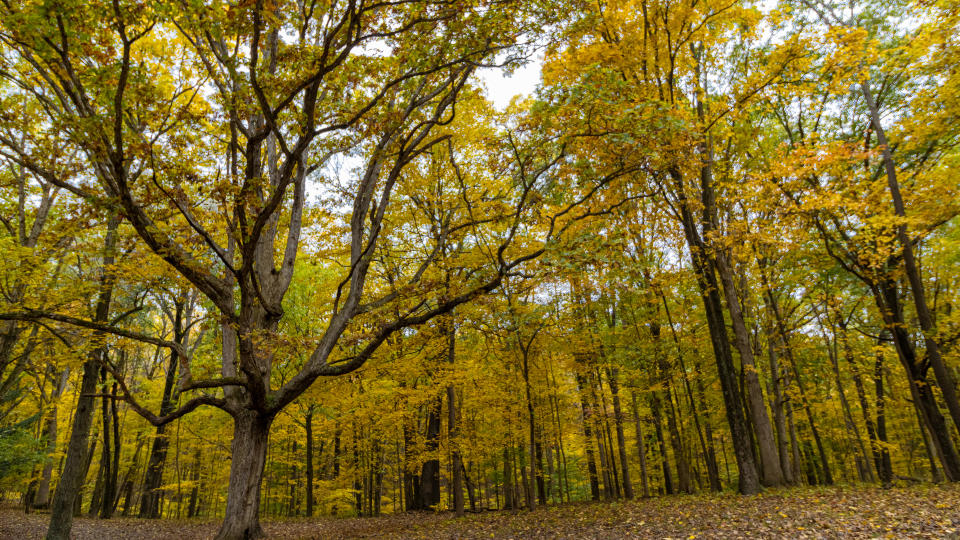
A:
[(850, 512)]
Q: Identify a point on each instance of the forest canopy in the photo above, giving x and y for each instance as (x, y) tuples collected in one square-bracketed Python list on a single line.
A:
[(288, 258)]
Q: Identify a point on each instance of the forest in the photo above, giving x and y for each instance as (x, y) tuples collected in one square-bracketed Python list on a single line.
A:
[(287, 261)]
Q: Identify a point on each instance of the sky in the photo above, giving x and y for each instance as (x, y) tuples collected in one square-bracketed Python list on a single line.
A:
[(502, 88)]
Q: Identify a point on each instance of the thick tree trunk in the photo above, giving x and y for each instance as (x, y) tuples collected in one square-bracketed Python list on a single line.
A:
[(65, 497), (749, 477), (241, 520), (74, 469)]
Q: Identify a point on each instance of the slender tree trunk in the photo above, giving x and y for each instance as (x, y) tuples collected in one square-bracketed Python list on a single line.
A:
[(684, 480), (824, 462), (641, 447), (114, 481), (42, 498), (457, 473), (947, 385), (863, 459), (661, 443), (885, 468), (888, 302), (308, 426), (779, 419), (193, 507), (106, 464), (150, 495), (621, 441), (771, 474), (531, 425), (588, 439), (875, 445), (430, 473), (706, 443)]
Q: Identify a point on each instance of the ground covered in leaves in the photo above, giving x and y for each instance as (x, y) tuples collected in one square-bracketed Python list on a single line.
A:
[(915, 512)]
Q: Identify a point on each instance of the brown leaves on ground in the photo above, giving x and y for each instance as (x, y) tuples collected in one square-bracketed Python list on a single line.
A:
[(916, 512)]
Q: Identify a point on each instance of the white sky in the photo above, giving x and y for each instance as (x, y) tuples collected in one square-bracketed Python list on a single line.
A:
[(502, 88)]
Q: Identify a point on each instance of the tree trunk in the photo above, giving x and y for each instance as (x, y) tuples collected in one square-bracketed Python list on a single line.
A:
[(106, 463), (430, 473), (309, 465), (863, 459), (248, 451), (888, 302), (706, 443), (771, 473), (71, 479), (621, 442), (641, 447), (456, 480), (42, 498), (150, 492), (588, 439), (779, 419), (531, 426), (884, 468), (74, 470), (508, 500), (661, 443), (824, 462), (947, 385)]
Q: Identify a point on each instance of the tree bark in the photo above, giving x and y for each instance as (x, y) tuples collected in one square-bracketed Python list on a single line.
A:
[(588, 439), (71, 478), (888, 302), (430, 473), (248, 454), (641, 447), (308, 426), (771, 473), (947, 385), (612, 374), (884, 467), (655, 408), (74, 470), (824, 462)]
